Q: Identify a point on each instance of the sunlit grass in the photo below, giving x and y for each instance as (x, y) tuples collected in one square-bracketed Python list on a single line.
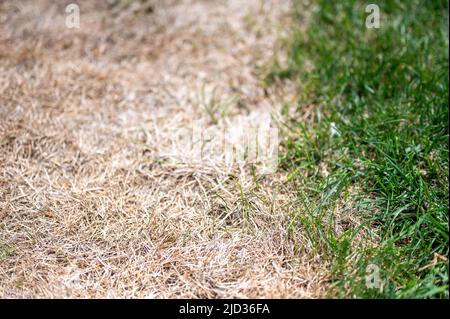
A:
[(380, 126)]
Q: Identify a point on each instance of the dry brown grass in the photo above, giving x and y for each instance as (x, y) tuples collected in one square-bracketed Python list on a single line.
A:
[(90, 203)]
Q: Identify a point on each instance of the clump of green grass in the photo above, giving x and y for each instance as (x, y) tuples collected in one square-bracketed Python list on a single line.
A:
[(381, 125)]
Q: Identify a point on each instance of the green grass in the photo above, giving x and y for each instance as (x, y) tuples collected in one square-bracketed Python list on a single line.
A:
[(384, 94)]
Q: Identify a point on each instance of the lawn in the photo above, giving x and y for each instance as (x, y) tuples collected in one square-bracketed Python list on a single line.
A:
[(370, 162)]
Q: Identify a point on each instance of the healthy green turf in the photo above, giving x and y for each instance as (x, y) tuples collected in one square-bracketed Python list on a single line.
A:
[(380, 127)]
